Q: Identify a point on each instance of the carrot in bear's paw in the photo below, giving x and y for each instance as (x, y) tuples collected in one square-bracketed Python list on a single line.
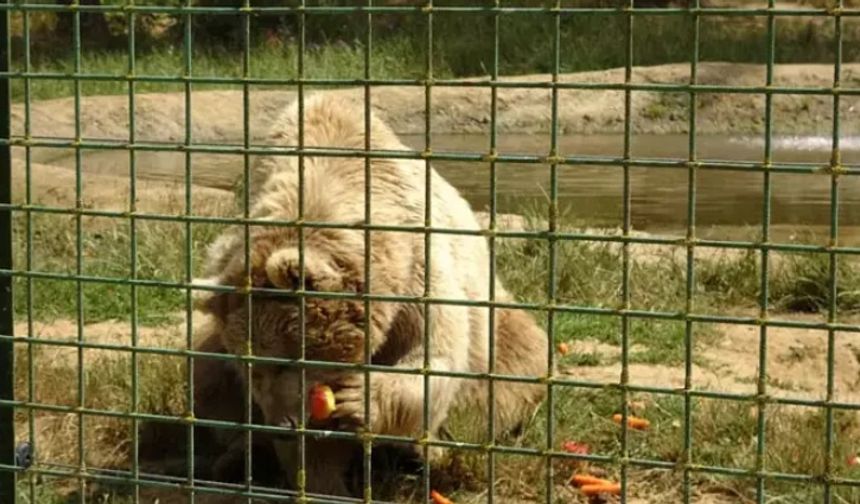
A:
[(321, 400), (581, 480), (601, 488), (439, 498)]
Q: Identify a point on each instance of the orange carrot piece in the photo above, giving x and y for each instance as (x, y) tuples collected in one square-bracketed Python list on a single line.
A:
[(563, 348), (439, 498), (321, 400), (632, 421), (610, 488), (575, 447), (587, 479)]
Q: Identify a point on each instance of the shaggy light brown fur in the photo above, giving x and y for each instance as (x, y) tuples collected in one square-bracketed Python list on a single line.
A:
[(458, 269)]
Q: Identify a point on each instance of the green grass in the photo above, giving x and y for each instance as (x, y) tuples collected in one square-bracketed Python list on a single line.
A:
[(106, 252), (723, 433), (807, 286), (463, 47), (391, 59), (797, 282), (588, 274)]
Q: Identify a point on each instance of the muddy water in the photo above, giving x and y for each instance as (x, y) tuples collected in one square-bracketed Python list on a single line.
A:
[(728, 203)]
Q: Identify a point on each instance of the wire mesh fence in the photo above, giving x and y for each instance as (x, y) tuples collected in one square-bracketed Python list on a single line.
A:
[(131, 283)]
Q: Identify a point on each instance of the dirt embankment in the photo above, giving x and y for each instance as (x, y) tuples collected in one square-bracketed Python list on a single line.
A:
[(217, 116)]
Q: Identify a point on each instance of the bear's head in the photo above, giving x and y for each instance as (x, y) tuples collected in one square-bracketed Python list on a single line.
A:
[(281, 311)]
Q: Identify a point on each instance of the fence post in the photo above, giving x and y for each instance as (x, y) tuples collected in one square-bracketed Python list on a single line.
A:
[(7, 413)]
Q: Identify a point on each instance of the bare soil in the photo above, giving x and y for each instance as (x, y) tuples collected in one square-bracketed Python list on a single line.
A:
[(217, 115), (795, 364), (54, 186)]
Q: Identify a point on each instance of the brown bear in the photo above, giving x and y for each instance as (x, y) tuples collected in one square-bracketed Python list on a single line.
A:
[(402, 277)]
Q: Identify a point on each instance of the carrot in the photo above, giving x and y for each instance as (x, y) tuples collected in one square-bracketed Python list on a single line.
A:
[(632, 421), (321, 400), (439, 498), (608, 488), (587, 479), (574, 447), (563, 348)]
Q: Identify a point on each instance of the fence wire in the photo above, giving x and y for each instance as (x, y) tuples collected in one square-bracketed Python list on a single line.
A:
[(7, 378), (11, 472)]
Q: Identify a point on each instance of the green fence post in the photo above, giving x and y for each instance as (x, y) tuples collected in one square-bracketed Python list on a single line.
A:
[(7, 346)]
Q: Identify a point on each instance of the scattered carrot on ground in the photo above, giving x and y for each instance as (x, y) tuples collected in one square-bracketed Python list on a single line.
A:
[(575, 447), (439, 498), (587, 479), (610, 488), (563, 348), (632, 421)]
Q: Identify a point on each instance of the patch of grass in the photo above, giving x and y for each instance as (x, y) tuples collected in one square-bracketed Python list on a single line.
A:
[(586, 273), (590, 274), (107, 386), (106, 253), (391, 59), (583, 359), (797, 282), (729, 279), (803, 283), (670, 106), (724, 434), (652, 341), (463, 47), (43, 492)]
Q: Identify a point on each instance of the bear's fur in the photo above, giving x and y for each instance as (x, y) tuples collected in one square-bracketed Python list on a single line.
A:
[(334, 261), (334, 466), (219, 453)]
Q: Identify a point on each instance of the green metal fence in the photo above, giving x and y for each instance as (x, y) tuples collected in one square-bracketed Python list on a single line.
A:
[(25, 406)]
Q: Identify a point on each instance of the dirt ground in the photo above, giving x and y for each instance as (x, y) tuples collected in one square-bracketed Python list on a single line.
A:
[(217, 115), (796, 358), (796, 364)]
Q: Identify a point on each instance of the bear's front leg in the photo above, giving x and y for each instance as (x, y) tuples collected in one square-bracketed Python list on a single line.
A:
[(396, 400), (349, 400), (396, 397)]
